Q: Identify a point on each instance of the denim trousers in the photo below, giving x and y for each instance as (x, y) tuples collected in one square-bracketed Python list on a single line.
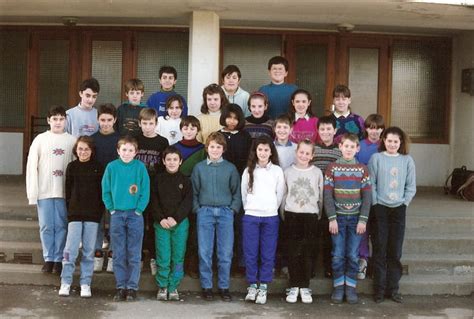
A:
[(345, 251), (77, 232), (389, 234), (215, 224), (260, 237), (126, 232), (52, 217)]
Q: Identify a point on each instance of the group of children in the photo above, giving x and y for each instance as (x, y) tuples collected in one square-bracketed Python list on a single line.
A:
[(256, 175)]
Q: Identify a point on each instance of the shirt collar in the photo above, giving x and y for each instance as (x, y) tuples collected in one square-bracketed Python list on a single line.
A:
[(278, 143), (209, 162), (346, 114), (267, 167), (297, 117)]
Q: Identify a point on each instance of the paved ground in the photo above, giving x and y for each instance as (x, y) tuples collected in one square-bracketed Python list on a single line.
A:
[(35, 302)]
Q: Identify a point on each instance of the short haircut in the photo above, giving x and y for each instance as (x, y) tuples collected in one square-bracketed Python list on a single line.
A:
[(134, 84), (278, 60), (168, 69), (91, 83), (210, 90), (107, 108), (172, 99), (171, 150), (229, 70), (217, 137), (306, 142), (404, 139), (374, 121), (87, 140), (56, 110), (127, 139), (351, 137), (190, 120), (341, 90), (258, 95), (285, 119), (327, 119), (147, 114), (237, 110)]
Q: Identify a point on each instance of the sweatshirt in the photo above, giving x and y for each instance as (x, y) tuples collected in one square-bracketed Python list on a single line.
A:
[(158, 100), (304, 128), (169, 129), (305, 190), (241, 98), (127, 119), (81, 121), (209, 123), (279, 97)]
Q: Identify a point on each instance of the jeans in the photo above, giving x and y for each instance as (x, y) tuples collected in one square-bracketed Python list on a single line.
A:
[(345, 251), (389, 234), (260, 237), (215, 223), (126, 232), (77, 232), (52, 217)]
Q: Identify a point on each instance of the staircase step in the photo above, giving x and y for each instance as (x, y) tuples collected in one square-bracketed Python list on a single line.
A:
[(19, 230), (436, 243), (440, 224), (441, 264), (13, 250), (18, 212)]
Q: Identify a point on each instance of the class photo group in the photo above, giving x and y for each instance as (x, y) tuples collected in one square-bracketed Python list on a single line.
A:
[(254, 185)]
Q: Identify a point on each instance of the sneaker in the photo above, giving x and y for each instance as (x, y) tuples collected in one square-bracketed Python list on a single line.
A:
[(351, 295), (362, 269), (120, 295), (153, 267), (110, 264), (162, 294), (251, 293), (396, 297), (337, 294), (47, 267), (86, 291), (173, 295), (225, 295), (131, 295), (105, 244), (98, 264), (261, 295), (305, 294), (292, 294), (379, 297), (64, 290), (57, 268), (207, 294)]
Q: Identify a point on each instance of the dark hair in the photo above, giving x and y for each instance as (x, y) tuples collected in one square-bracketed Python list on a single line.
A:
[(107, 108), (374, 121), (283, 118), (168, 69), (341, 90), (278, 60), (171, 150), (292, 110), (210, 90), (258, 95), (173, 98), (190, 120), (327, 119), (237, 110), (147, 114), (56, 110), (217, 137), (127, 139), (404, 139), (253, 159), (91, 83), (351, 137), (84, 139), (229, 70), (134, 84)]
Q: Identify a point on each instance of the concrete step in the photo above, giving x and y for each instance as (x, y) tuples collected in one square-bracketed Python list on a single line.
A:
[(19, 230), (13, 251), (18, 213), (441, 264), (413, 284), (444, 224), (422, 243)]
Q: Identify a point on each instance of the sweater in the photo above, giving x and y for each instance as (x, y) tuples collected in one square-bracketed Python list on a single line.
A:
[(106, 147), (305, 190), (216, 184), (347, 190), (323, 155), (367, 149), (286, 153), (352, 123), (83, 191), (237, 149), (127, 119), (172, 196), (304, 128), (158, 100), (169, 129), (279, 97), (149, 152), (258, 127), (393, 179), (209, 123), (81, 121), (193, 152), (46, 166), (267, 191), (241, 98), (126, 186)]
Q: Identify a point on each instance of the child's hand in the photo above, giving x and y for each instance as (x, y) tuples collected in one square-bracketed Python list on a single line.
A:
[(333, 229), (360, 228), (164, 223), (171, 222)]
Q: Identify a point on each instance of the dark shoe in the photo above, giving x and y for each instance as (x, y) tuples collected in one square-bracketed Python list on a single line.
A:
[(131, 295), (57, 268), (328, 273), (120, 295), (207, 294), (337, 294), (47, 267), (225, 295), (379, 297), (396, 297), (351, 295)]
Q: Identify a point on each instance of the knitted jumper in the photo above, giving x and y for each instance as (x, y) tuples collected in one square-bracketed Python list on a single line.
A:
[(353, 123), (323, 155), (279, 97), (304, 128), (238, 147), (258, 127), (209, 123), (193, 152)]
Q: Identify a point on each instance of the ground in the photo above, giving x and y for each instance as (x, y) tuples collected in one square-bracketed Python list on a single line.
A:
[(40, 301)]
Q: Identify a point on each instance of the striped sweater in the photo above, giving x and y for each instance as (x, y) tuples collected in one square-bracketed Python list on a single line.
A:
[(347, 190)]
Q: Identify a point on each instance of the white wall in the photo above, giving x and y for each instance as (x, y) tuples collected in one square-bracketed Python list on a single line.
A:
[(433, 162), (11, 154)]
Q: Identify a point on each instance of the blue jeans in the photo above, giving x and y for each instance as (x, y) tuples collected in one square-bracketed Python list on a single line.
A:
[(345, 251), (52, 217), (77, 232), (126, 232), (215, 223)]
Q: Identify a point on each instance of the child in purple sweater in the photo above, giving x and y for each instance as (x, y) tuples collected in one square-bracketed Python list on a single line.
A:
[(304, 122)]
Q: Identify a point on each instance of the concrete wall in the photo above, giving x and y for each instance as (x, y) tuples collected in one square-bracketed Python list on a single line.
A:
[(11, 154)]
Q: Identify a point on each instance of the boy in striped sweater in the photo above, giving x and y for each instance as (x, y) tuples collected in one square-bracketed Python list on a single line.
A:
[(347, 197)]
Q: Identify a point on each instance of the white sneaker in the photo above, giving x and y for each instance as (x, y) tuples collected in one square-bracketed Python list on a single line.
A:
[(362, 269), (110, 264), (261, 296), (162, 294), (251, 293), (305, 294), (64, 290), (173, 295), (153, 267), (98, 264), (292, 294), (86, 291), (105, 244)]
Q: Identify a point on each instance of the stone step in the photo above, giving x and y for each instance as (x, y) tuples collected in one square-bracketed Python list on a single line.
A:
[(13, 251), (18, 213), (441, 264), (19, 230), (444, 224), (422, 243)]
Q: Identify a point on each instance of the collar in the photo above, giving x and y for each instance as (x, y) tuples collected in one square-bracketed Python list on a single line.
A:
[(391, 155), (267, 167), (218, 113), (368, 142), (139, 105), (192, 142), (230, 132), (288, 143), (297, 117), (209, 162), (338, 115), (254, 120)]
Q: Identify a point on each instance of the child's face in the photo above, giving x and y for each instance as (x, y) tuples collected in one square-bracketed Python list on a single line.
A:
[(88, 98), (106, 123), (348, 149), (304, 154), (127, 152), (83, 151), (172, 162), (57, 123), (175, 110), (257, 107), (213, 102), (326, 132), (373, 133), (215, 151), (263, 153), (282, 131), (231, 122), (167, 81), (278, 73), (301, 104), (134, 96), (148, 126), (342, 103), (189, 132), (392, 143), (231, 82)]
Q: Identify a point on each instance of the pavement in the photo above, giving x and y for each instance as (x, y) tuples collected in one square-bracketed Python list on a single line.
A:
[(43, 302)]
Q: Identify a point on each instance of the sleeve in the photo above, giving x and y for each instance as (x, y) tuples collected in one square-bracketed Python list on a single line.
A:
[(107, 189), (235, 190), (366, 190), (328, 194), (244, 184), (68, 123), (373, 166), (186, 204), (185, 106), (410, 185), (32, 172), (320, 184), (195, 180), (280, 187), (144, 197), (361, 121), (156, 209), (69, 183)]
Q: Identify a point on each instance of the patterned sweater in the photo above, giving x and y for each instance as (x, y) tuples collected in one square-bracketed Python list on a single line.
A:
[(352, 123), (258, 127)]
